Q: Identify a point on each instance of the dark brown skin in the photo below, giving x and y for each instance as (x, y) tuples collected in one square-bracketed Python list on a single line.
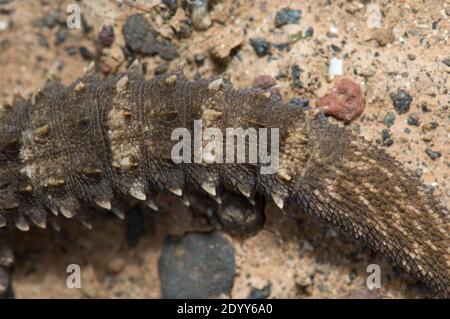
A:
[(100, 143)]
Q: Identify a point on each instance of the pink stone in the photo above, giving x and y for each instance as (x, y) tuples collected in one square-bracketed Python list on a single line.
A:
[(344, 101)]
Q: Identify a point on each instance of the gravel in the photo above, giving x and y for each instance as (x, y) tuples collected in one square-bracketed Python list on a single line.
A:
[(386, 137), (389, 119), (433, 154), (262, 293), (197, 266), (413, 119), (299, 102), (402, 101), (287, 16), (140, 36), (260, 46)]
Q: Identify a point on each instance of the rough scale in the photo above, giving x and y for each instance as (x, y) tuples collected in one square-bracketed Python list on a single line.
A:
[(99, 143)]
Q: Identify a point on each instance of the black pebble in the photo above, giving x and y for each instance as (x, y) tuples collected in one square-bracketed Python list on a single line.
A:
[(433, 154), (419, 172), (136, 225), (262, 293), (172, 5), (141, 38), (161, 68), (199, 58), (106, 36), (309, 32), (434, 125), (386, 137), (86, 53), (411, 57), (402, 101), (296, 72), (413, 119), (260, 46), (61, 35), (166, 50), (336, 48), (139, 35), (43, 40), (51, 19), (197, 265), (389, 119), (299, 102), (446, 61), (287, 16)]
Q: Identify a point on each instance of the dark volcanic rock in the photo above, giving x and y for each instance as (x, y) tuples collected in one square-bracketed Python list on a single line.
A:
[(402, 101), (260, 46), (287, 16), (433, 154), (262, 293), (196, 266), (239, 217), (142, 38), (389, 119), (139, 35), (167, 51)]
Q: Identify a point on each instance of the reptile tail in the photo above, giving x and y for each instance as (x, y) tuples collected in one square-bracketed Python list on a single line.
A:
[(357, 187)]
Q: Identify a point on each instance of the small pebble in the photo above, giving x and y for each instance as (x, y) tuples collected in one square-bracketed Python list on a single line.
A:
[(86, 53), (166, 50), (197, 265), (260, 46), (161, 68), (262, 293), (287, 16), (419, 172), (383, 36), (199, 58), (172, 5), (264, 82), (336, 67), (116, 265), (402, 101), (61, 35), (413, 119), (201, 20), (411, 57), (433, 125), (3, 25), (309, 32), (335, 48), (433, 154), (51, 19), (407, 130), (446, 61), (140, 35), (386, 137), (304, 103), (43, 41), (344, 101), (296, 72), (106, 36), (389, 119)]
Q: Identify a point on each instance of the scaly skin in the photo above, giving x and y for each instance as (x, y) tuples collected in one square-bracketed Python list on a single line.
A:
[(100, 142)]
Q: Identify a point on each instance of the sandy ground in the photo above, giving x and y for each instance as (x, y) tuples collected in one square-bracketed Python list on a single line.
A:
[(300, 259)]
